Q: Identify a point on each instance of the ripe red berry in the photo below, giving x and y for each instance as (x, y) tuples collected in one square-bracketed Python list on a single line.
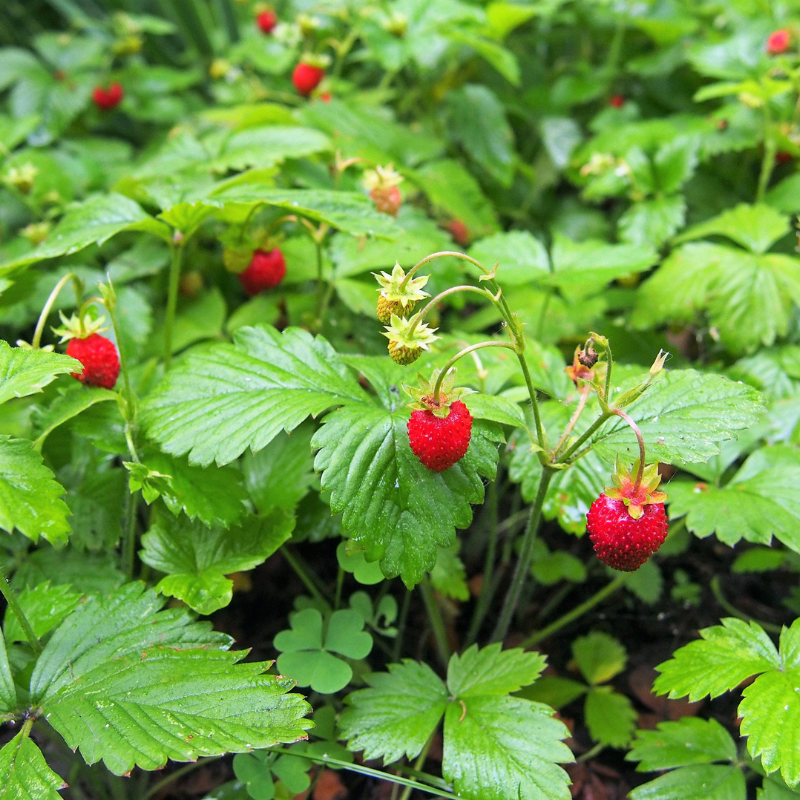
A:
[(458, 230), (778, 42), (99, 358), (782, 157), (440, 442), (616, 101), (265, 271), (325, 97), (307, 77), (106, 99), (387, 199), (266, 21), (622, 542)]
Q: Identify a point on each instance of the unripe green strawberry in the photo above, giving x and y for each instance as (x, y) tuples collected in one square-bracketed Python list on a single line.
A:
[(388, 307), (403, 355), (237, 259)]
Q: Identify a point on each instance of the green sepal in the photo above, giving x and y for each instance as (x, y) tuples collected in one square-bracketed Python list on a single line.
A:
[(423, 393)]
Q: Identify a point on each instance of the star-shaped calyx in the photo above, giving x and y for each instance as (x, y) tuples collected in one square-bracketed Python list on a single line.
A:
[(395, 297), (408, 338), (77, 327), (424, 393), (636, 497), (382, 178)]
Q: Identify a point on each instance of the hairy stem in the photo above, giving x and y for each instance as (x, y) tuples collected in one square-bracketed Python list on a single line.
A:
[(587, 387), (437, 623), (577, 612), (485, 596), (640, 440), (588, 433), (442, 254), (466, 351), (523, 567), (172, 300), (540, 438), (48, 306), (16, 609), (434, 300), (128, 554)]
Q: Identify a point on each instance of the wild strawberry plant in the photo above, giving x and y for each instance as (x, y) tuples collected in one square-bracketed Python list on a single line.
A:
[(402, 341)]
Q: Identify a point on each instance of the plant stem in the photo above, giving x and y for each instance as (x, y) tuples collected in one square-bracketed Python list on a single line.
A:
[(484, 598), (179, 773), (418, 317), (586, 435), (128, 554), (466, 351), (540, 439), (576, 612), (42, 321), (609, 368), (11, 598), (401, 625), (640, 440), (442, 254), (716, 589), (768, 161), (437, 623), (574, 419), (524, 561), (369, 772), (172, 299), (419, 764), (339, 586), (299, 569)]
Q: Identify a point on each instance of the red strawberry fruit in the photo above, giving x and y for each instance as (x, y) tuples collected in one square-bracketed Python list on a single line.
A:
[(627, 524), (458, 230), (616, 101), (388, 200), (440, 442), (265, 271), (99, 358), (778, 42), (266, 21), (106, 99), (306, 77)]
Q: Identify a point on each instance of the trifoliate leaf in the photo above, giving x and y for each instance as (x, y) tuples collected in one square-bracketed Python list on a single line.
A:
[(759, 502), (134, 686), (448, 575), (651, 222), (231, 397), (24, 772), (197, 559), (725, 656), (610, 717), (397, 714), (497, 747), (688, 741), (683, 416), (269, 145), (24, 372), (522, 259), (399, 510), (599, 656), (553, 690), (45, 606), (8, 692), (492, 671), (29, 494), (214, 495), (307, 649), (72, 402), (367, 573)]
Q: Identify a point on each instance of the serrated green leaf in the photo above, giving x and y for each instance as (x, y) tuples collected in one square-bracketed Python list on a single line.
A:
[(755, 228), (25, 372), (85, 572), (647, 582), (8, 692), (688, 741), (775, 789), (759, 502), (214, 495), (599, 656), (29, 494), (45, 606), (397, 714), (132, 685), (610, 717), (67, 406), (701, 782), (24, 772), (267, 146), (196, 558), (521, 257), (448, 575), (725, 656), (397, 508), (550, 568), (651, 222), (758, 559), (492, 671), (228, 398), (683, 417), (350, 212), (498, 747), (93, 222), (553, 691)]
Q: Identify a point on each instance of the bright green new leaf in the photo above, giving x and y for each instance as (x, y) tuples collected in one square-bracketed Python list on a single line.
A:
[(397, 714), (68, 405), (448, 575), (495, 408), (683, 416), (24, 772), (492, 671), (24, 372), (725, 656), (45, 606), (133, 685), (8, 692), (307, 650), (599, 656), (554, 691), (610, 717), (29, 494), (267, 146), (230, 397), (93, 222), (498, 747), (652, 222), (367, 573), (700, 782), (196, 558), (688, 741)]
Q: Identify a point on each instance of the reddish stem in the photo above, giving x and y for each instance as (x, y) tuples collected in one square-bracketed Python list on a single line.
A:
[(635, 429)]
